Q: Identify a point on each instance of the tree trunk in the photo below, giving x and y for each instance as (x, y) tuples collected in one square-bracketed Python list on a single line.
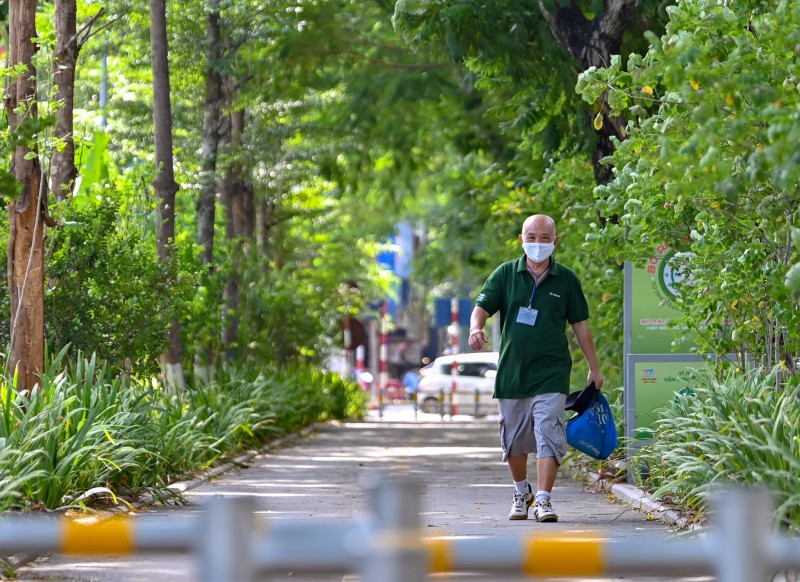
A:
[(62, 163), (230, 295), (592, 43), (240, 227), (164, 181), (212, 112), (26, 211), (242, 190), (206, 204)]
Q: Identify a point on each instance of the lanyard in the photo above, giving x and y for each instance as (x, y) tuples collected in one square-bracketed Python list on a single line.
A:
[(535, 283)]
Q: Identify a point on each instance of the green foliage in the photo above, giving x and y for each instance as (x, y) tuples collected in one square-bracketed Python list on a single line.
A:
[(85, 428), (710, 168), (534, 155), (793, 275), (95, 167), (106, 292), (524, 75), (292, 310), (337, 131), (74, 434), (335, 134), (473, 226), (13, 481), (736, 431), (467, 129)]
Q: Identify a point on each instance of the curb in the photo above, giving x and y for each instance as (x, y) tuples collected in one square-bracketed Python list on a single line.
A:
[(636, 498), (18, 560)]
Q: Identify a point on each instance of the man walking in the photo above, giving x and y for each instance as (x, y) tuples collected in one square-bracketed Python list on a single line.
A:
[(536, 298)]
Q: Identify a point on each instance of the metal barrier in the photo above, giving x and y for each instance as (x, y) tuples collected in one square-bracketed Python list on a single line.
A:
[(445, 405), (232, 545)]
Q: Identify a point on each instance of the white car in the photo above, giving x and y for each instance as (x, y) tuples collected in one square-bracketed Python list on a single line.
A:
[(476, 372)]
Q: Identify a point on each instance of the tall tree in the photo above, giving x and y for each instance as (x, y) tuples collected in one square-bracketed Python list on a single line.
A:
[(27, 207), (711, 168), (69, 41), (164, 181), (592, 42), (212, 115), (62, 161), (209, 148), (541, 47), (239, 204)]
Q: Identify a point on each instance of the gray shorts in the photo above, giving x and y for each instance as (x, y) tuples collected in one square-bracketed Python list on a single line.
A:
[(533, 425)]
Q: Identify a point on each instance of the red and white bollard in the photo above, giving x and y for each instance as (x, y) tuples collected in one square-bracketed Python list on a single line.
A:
[(383, 381), (454, 348)]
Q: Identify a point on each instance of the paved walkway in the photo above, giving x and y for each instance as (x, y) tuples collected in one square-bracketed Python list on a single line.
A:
[(467, 492)]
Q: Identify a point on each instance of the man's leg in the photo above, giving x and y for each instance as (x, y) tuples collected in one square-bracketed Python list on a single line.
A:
[(518, 465), (546, 471), (548, 413), (523, 493), (518, 441)]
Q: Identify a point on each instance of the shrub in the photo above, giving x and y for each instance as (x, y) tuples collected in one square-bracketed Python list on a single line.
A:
[(105, 291), (739, 430), (86, 428)]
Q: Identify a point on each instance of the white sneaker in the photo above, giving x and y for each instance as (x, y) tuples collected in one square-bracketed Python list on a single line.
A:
[(520, 505), (543, 511)]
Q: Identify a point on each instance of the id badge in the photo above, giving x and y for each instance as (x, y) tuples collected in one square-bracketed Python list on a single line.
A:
[(527, 316)]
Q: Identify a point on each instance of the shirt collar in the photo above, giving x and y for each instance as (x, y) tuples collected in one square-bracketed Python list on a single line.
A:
[(522, 267)]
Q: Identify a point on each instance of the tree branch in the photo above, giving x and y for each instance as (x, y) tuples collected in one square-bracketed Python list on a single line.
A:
[(106, 25), (88, 27)]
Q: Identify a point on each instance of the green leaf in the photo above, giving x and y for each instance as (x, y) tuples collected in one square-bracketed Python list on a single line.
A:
[(96, 168), (793, 281)]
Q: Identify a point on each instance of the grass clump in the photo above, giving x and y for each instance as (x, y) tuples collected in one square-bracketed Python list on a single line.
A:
[(738, 430), (85, 428)]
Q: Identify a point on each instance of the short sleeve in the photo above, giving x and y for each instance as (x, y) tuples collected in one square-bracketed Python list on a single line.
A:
[(490, 298), (578, 308)]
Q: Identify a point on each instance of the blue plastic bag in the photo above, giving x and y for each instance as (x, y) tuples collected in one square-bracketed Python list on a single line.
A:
[(593, 432)]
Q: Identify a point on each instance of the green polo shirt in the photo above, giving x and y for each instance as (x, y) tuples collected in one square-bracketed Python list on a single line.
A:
[(533, 359)]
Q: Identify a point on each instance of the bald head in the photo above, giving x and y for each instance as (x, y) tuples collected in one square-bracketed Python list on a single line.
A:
[(538, 224), (539, 231)]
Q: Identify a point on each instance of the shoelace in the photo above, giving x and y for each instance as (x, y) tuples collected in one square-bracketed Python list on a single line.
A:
[(519, 499)]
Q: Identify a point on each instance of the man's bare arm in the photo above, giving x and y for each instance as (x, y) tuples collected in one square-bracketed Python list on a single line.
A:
[(477, 339), (584, 336)]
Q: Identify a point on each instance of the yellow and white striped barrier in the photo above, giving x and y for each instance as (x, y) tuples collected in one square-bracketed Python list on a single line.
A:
[(389, 547), (117, 535)]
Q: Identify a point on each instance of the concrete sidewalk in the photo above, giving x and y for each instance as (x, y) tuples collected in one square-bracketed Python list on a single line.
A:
[(467, 492)]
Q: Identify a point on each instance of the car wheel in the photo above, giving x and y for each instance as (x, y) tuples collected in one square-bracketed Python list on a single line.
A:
[(430, 405)]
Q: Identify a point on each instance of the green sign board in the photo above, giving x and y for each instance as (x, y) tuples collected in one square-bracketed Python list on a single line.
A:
[(655, 369), (651, 305), (656, 380)]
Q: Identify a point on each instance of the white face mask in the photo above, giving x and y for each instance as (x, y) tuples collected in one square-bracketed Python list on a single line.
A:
[(538, 252)]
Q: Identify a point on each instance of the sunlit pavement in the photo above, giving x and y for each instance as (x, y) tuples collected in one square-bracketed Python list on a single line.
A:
[(466, 493)]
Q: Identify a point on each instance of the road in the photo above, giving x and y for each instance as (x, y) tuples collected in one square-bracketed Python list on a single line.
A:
[(466, 493)]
